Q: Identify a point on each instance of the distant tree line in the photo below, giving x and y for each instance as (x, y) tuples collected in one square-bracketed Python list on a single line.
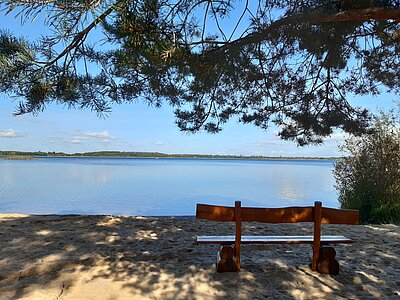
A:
[(124, 154)]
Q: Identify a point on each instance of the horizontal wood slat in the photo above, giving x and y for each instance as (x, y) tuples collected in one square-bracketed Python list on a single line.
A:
[(340, 216), (277, 215), (230, 239), (215, 213)]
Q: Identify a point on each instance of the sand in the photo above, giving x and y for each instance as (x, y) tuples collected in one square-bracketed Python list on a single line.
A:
[(107, 257)]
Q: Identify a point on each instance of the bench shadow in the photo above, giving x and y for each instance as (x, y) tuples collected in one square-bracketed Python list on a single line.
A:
[(145, 257)]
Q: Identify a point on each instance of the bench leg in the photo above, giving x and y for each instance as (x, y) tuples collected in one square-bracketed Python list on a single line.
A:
[(226, 259), (328, 266), (327, 263)]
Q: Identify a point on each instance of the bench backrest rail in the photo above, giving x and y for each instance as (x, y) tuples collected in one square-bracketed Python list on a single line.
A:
[(316, 214)]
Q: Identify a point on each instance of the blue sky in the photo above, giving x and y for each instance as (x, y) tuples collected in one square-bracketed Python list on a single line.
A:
[(138, 127)]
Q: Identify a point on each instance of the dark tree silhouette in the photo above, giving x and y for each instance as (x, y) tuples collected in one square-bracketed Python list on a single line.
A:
[(292, 63)]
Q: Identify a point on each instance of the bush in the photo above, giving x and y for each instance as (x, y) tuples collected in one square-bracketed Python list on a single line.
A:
[(369, 178)]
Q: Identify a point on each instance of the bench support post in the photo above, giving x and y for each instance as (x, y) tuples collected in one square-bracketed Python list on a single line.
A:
[(238, 235), (317, 234)]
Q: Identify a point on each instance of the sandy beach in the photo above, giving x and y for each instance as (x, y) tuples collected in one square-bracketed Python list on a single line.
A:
[(107, 257)]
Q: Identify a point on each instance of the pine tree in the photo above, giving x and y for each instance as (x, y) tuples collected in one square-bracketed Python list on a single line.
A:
[(292, 63)]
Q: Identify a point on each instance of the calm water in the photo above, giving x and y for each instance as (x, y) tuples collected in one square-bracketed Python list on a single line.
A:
[(159, 186)]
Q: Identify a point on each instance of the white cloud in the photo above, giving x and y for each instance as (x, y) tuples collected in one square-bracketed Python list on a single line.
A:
[(77, 140), (266, 143), (98, 134), (9, 133), (102, 136), (159, 143)]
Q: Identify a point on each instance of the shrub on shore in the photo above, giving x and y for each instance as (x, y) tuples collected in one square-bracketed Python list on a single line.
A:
[(368, 179)]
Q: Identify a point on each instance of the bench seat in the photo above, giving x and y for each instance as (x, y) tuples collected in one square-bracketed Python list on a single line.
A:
[(296, 239)]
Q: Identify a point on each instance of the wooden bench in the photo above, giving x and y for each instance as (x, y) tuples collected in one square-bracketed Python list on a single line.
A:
[(322, 258)]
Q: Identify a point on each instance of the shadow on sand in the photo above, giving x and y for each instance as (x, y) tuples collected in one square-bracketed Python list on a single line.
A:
[(105, 257)]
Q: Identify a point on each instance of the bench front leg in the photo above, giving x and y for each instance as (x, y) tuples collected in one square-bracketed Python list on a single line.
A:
[(226, 259), (327, 263)]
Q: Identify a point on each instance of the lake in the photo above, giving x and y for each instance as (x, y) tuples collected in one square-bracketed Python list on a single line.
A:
[(159, 187)]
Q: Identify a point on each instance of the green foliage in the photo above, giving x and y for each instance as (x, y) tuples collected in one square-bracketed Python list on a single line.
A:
[(369, 178)]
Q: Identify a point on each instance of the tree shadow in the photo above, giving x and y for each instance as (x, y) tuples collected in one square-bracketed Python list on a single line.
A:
[(148, 257)]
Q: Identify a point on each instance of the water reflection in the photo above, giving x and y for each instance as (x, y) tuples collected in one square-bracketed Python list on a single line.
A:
[(99, 174)]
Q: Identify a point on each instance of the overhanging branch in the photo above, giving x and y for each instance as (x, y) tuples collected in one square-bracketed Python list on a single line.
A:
[(361, 15)]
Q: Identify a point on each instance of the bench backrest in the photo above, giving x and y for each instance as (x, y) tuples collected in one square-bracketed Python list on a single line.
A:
[(276, 215), (316, 214)]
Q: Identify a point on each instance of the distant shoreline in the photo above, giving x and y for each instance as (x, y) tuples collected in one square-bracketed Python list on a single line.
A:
[(19, 157), (151, 155)]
